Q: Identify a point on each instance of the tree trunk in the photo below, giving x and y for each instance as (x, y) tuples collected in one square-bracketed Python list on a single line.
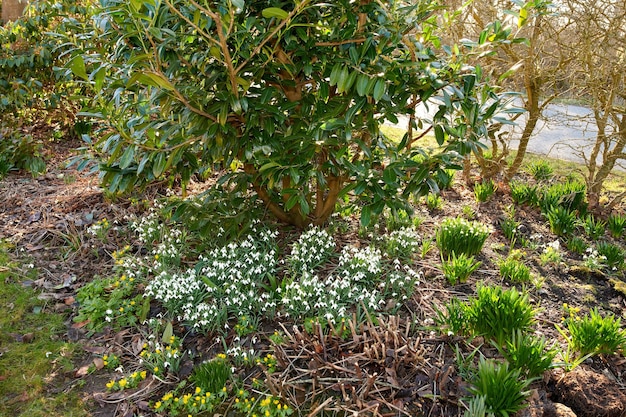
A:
[(12, 9)]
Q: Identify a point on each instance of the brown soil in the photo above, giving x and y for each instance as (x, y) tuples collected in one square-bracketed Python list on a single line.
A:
[(390, 365)]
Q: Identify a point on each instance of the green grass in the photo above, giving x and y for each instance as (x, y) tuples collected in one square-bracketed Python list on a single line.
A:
[(33, 352)]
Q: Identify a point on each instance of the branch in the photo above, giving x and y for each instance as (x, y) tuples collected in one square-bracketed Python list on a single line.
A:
[(264, 42), (189, 22)]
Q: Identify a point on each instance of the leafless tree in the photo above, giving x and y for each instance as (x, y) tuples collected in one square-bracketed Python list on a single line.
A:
[(598, 47)]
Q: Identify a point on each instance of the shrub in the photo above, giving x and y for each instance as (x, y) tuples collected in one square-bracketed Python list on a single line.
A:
[(540, 170), (594, 334), (459, 268), (496, 313), (484, 190), (298, 133), (445, 178), (617, 225), (562, 220), (459, 236), (503, 389), (20, 152)]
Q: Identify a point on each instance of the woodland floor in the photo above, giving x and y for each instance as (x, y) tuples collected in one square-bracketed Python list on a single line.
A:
[(46, 218)]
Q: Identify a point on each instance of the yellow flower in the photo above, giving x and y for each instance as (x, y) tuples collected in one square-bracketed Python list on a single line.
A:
[(156, 369), (105, 358), (121, 309), (143, 374), (110, 384), (198, 390), (123, 382), (105, 363), (157, 405)]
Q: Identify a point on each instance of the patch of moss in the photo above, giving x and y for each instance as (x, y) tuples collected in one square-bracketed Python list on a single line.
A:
[(618, 285)]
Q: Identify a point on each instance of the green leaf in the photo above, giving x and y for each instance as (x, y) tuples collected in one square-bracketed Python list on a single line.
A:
[(334, 74), (77, 65), (366, 216), (342, 80), (439, 135), (145, 309), (271, 12), (159, 165), (127, 157), (389, 175), (168, 333), (361, 84), (269, 165), (379, 89)]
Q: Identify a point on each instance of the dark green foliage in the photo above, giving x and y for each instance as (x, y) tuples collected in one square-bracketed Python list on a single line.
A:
[(617, 225), (503, 388), (211, 376), (484, 190), (528, 353), (497, 314), (459, 268), (562, 220), (540, 170), (523, 193), (613, 253), (460, 236), (569, 195), (577, 245), (594, 334), (20, 152), (235, 87), (594, 228)]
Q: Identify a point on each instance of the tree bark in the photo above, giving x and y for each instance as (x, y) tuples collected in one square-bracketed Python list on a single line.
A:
[(12, 9)]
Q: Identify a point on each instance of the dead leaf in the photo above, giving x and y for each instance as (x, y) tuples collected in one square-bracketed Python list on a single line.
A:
[(82, 371), (98, 350), (69, 301), (81, 324), (98, 363), (35, 217)]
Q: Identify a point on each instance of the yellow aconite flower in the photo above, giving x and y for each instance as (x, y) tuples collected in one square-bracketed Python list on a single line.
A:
[(198, 390), (123, 382)]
